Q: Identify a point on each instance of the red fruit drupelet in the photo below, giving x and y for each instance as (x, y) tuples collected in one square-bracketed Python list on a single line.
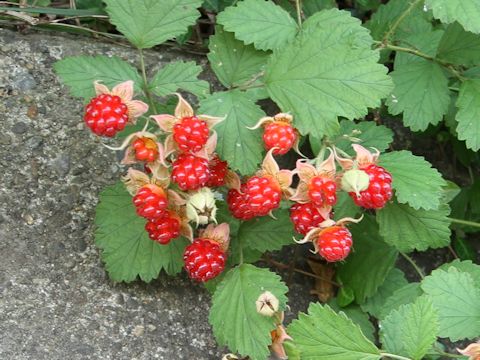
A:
[(379, 190), (237, 204), (322, 191), (145, 149), (280, 135), (106, 114), (218, 171), (150, 201), (334, 243), (190, 172), (305, 217), (204, 259), (263, 194), (190, 134), (164, 228)]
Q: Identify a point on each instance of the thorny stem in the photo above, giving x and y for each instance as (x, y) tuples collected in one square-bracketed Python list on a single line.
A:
[(399, 20), (393, 356), (284, 266), (145, 81), (465, 222), (298, 5), (415, 266)]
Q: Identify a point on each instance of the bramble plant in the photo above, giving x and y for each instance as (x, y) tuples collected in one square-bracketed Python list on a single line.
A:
[(205, 192)]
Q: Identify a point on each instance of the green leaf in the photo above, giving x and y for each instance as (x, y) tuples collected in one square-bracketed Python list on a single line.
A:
[(355, 313), (345, 207), (127, 250), (234, 316), (179, 75), (241, 147), (324, 74), (261, 23), (368, 133), (466, 12), (421, 93), (310, 7), (79, 73), (291, 350), (457, 300), (233, 62), (459, 47), (426, 42), (326, 335), (146, 23), (395, 280), (408, 229), (463, 248), (450, 191), (468, 102), (411, 330), (414, 179), (404, 295), (466, 266), (366, 268), (266, 234)]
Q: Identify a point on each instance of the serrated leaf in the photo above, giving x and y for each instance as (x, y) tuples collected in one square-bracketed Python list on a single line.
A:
[(450, 191), (267, 234), (404, 295), (468, 103), (179, 75), (395, 280), (408, 229), (234, 316), (367, 133), (426, 42), (457, 300), (355, 313), (466, 12), (322, 75), (233, 62), (79, 73), (466, 266), (411, 330), (326, 335), (459, 47), (311, 7), (421, 93), (415, 181), (366, 268), (261, 23), (146, 23), (127, 250), (240, 147)]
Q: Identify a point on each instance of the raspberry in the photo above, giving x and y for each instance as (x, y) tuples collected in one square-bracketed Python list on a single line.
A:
[(204, 259), (322, 191), (280, 135), (105, 115), (145, 149), (218, 170), (190, 172), (263, 194), (164, 228), (379, 190), (190, 134), (150, 201), (305, 217), (334, 243), (237, 204)]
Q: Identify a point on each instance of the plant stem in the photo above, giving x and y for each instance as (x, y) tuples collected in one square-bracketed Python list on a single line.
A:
[(415, 266), (465, 222), (399, 20), (250, 84), (393, 356), (298, 5), (145, 81)]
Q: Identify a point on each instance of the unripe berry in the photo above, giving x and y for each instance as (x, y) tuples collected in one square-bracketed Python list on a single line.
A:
[(145, 149)]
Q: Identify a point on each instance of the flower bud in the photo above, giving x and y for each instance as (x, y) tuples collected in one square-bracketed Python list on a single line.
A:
[(355, 181), (267, 304), (201, 207)]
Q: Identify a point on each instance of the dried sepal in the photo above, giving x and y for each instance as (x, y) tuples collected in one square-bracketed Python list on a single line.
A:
[(283, 177), (134, 180), (232, 180), (267, 304), (363, 157), (201, 207), (211, 120), (175, 199), (279, 336), (219, 234), (313, 233), (472, 351)]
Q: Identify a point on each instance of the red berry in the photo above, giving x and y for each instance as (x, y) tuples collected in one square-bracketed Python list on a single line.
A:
[(145, 149), (280, 135), (379, 189), (164, 228), (263, 194), (150, 201), (305, 217), (204, 259), (106, 114), (218, 170), (237, 204), (322, 191), (334, 243), (190, 172), (190, 134)]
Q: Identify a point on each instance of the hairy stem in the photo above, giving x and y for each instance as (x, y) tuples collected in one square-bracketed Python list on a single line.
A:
[(146, 90), (415, 266), (298, 5), (393, 356), (399, 20), (465, 222)]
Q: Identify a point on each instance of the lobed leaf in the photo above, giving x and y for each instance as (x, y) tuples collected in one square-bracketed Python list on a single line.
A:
[(466, 12), (468, 102), (459, 47)]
